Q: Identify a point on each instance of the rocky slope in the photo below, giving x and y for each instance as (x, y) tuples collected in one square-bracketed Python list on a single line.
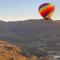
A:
[(12, 52)]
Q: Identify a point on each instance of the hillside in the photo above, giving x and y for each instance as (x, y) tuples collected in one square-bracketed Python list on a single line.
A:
[(9, 51), (33, 33)]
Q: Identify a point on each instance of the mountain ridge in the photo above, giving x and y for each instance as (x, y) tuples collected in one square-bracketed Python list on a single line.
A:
[(36, 32)]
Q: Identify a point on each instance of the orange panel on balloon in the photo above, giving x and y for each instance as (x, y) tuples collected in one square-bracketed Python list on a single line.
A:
[(46, 9)]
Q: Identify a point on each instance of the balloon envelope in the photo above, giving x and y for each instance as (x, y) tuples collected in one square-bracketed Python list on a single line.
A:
[(46, 10)]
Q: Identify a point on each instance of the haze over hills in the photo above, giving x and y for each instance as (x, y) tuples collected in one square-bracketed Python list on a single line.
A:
[(31, 33)]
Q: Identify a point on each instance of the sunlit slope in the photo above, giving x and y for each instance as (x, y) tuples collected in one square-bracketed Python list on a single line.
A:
[(12, 52)]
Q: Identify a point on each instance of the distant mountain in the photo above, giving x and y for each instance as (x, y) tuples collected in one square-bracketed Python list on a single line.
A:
[(31, 33)]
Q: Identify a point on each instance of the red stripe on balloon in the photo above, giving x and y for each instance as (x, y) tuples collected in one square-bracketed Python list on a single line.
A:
[(47, 10)]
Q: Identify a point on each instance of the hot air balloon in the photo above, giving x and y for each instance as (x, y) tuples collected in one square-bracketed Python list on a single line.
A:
[(46, 10)]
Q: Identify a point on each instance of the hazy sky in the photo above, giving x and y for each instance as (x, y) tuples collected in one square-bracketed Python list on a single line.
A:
[(12, 10)]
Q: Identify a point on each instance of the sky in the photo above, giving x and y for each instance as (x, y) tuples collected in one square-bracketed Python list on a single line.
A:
[(18, 10)]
